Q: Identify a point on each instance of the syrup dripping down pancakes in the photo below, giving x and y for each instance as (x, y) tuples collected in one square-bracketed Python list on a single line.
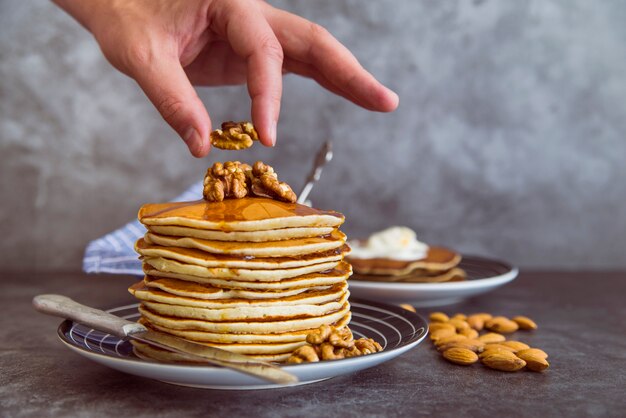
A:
[(252, 275)]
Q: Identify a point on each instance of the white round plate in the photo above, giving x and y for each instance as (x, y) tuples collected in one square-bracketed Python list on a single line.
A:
[(483, 275), (396, 329)]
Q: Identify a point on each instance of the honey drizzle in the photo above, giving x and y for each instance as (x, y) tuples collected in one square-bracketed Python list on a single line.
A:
[(231, 210)]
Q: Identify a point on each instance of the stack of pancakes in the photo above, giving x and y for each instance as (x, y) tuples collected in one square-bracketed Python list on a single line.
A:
[(439, 265), (251, 275)]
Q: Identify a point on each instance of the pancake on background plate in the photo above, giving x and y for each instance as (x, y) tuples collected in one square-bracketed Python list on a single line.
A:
[(395, 255), (245, 269)]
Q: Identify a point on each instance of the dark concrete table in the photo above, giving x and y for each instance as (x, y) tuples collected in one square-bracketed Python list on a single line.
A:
[(582, 319)]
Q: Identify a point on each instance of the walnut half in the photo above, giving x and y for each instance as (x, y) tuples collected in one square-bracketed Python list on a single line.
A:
[(226, 180), (236, 180), (331, 343), (264, 182), (234, 136), (306, 353)]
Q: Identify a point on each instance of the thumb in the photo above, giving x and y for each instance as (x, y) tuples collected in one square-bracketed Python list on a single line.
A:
[(165, 83)]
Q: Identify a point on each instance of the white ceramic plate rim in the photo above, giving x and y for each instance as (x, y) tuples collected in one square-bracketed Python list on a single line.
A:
[(301, 370), (211, 377), (452, 286)]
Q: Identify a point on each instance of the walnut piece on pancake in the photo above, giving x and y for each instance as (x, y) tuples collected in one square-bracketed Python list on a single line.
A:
[(331, 343), (226, 180), (235, 180), (264, 183), (234, 136)]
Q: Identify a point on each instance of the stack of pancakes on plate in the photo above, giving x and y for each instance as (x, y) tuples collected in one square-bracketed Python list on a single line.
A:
[(250, 275), (439, 265)]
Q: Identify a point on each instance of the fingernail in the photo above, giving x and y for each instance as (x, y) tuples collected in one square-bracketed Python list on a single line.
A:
[(273, 133), (395, 97), (193, 140)]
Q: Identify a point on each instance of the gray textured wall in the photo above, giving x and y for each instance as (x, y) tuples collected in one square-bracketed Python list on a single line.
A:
[(510, 138)]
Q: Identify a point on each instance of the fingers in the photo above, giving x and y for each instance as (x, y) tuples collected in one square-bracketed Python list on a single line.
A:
[(311, 44), (217, 65), (165, 83), (252, 38), (307, 70)]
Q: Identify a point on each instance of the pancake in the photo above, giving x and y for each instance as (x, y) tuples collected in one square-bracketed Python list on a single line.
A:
[(438, 259), (163, 264), (262, 348), (205, 259), (310, 297), (238, 236), (203, 336), (251, 348), (248, 312), (455, 274), (283, 248), (251, 275), (148, 352), (247, 214), (243, 327), (208, 292), (323, 278)]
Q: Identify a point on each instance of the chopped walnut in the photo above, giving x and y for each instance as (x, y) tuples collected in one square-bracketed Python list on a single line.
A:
[(367, 346), (353, 352), (236, 180), (319, 335), (234, 136), (330, 343), (264, 182), (342, 337), (305, 353), (226, 180), (330, 352)]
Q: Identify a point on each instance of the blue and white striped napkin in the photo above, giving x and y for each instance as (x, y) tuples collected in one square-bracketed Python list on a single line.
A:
[(115, 252)]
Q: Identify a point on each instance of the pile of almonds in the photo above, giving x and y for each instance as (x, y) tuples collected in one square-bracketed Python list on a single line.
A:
[(459, 340)]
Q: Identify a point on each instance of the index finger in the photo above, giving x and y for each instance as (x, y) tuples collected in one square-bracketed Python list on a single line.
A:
[(311, 44), (252, 38)]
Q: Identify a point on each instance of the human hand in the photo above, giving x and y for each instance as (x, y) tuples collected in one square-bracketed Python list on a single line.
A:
[(168, 45)]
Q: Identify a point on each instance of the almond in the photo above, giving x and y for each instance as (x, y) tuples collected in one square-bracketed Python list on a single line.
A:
[(483, 315), (434, 326), (501, 324), (474, 345), (504, 362), (525, 323), (469, 333), (488, 350), (533, 351), (500, 346), (439, 317), (534, 361), (461, 356), (407, 307), (460, 324), (449, 339), (440, 333), (491, 351), (515, 345), (476, 322), (491, 337)]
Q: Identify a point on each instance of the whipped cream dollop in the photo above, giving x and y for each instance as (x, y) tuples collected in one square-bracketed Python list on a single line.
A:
[(395, 243)]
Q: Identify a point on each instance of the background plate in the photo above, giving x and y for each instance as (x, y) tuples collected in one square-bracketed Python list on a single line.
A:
[(483, 275), (396, 329)]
